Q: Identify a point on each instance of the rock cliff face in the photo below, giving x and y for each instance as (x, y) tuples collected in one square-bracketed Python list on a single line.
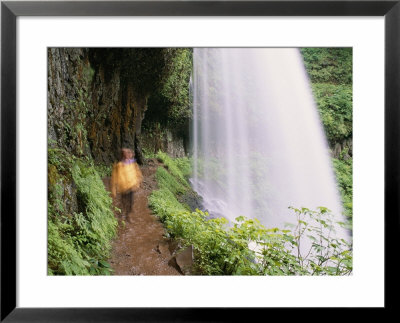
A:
[(66, 85), (346, 147), (166, 141), (96, 104), (117, 114)]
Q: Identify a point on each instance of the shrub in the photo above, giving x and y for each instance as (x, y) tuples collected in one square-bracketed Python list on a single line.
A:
[(335, 105), (247, 247)]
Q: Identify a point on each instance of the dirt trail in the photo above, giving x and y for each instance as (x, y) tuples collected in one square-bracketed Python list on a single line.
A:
[(140, 247)]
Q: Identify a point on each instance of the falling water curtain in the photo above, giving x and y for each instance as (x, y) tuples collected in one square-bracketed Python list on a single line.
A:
[(11, 10)]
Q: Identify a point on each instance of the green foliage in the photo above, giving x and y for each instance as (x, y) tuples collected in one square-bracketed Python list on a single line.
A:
[(329, 65), (172, 187), (60, 160), (336, 110), (149, 70), (169, 104), (179, 168), (176, 86), (223, 250), (79, 238), (330, 72), (184, 164), (103, 170), (63, 257), (163, 202), (168, 181), (73, 127), (247, 247), (148, 153), (329, 254), (217, 252), (344, 175)]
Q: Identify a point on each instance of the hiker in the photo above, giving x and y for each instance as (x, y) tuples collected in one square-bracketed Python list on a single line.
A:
[(126, 178)]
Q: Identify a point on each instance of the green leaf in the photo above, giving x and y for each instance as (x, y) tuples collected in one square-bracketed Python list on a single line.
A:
[(104, 263)]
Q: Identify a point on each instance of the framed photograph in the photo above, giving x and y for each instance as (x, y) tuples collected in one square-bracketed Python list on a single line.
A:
[(222, 39)]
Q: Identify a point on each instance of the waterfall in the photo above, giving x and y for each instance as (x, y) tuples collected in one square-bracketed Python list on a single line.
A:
[(258, 143)]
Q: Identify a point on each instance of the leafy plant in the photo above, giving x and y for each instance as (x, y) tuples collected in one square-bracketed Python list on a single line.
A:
[(344, 175), (169, 104), (79, 233), (335, 106), (329, 65), (329, 252), (179, 168), (330, 72), (246, 247), (103, 170)]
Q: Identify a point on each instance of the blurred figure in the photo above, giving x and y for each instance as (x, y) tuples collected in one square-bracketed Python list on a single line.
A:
[(126, 178)]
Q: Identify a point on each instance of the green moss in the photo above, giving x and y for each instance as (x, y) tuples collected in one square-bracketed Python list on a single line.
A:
[(53, 175)]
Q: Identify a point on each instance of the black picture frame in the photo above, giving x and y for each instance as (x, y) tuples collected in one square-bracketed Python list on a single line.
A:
[(10, 10)]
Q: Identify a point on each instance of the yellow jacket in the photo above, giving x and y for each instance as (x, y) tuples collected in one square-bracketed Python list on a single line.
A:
[(125, 177)]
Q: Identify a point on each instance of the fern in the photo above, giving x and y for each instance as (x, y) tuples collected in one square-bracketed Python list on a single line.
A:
[(78, 243)]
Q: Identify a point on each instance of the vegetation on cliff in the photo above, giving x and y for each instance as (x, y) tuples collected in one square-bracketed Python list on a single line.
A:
[(170, 106), (331, 74), (81, 222), (344, 176), (169, 112)]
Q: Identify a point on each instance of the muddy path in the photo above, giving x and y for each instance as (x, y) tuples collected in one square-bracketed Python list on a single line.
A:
[(140, 247)]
